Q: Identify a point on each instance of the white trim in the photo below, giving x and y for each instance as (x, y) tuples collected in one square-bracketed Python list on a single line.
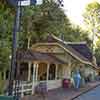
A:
[(47, 78), (33, 78), (29, 71), (56, 73), (37, 72), (83, 42)]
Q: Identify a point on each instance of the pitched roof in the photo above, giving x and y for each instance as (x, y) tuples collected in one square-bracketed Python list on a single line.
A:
[(78, 50), (29, 55), (83, 50)]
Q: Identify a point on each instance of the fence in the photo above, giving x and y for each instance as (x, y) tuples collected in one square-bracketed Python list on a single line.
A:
[(23, 88)]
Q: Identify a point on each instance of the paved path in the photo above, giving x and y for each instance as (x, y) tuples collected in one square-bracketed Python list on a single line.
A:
[(91, 95), (64, 94)]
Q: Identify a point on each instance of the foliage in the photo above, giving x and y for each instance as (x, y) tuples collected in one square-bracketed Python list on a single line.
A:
[(92, 20), (91, 14), (6, 23), (36, 23)]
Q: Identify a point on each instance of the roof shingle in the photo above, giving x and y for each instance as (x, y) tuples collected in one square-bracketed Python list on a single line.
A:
[(29, 55)]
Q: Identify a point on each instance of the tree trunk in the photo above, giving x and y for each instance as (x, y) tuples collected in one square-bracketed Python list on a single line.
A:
[(28, 43)]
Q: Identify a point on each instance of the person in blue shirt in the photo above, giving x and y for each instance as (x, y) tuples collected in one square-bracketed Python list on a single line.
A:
[(77, 79)]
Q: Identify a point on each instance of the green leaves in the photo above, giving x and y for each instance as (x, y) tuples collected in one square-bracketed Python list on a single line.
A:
[(6, 26), (36, 23), (92, 20)]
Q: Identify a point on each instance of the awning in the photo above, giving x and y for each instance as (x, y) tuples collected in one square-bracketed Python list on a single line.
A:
[(29, 55)]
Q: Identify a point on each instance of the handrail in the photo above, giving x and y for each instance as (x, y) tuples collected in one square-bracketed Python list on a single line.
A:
[(24, 88)]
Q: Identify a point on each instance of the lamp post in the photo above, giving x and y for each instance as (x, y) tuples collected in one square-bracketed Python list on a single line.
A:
[(14, 47), (17, 4)]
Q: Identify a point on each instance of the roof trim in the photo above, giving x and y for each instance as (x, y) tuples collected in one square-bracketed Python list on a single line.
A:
[(83, 42), (75, 56), (30, 55)]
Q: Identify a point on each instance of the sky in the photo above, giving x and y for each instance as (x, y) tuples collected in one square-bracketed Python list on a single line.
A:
[(75, 8)]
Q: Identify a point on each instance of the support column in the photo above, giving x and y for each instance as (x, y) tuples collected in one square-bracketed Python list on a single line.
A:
[(56, 72), (29, 71), (37, 72), (47, 78), (33, 78), (69, 68)]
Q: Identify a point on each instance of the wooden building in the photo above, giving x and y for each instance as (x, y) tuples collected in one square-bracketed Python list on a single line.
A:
[(53, 60)]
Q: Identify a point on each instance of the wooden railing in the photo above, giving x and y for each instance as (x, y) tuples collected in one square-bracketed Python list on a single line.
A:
[(27, 88), (24, 88)]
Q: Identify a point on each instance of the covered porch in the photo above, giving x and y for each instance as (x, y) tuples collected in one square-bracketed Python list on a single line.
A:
[(44, 67)]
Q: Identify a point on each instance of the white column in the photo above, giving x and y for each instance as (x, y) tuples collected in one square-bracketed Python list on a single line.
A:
[(29, 71), (69, 69), (48, 66), (56, 72), (34, 74), (22, 91), (37, 72)]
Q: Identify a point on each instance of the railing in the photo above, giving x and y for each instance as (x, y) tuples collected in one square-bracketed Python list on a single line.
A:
[(27, 88), (24, 88)]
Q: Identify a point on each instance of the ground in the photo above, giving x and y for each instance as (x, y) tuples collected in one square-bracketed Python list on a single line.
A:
[(66, 94), (94, 94)]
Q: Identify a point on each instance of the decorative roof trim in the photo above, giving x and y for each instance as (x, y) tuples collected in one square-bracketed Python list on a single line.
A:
[(83, 42), (37, 44), (86, 62)]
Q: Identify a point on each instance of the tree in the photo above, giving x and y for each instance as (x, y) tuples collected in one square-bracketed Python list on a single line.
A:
[(92, 19), (38, 21), (6, 24)]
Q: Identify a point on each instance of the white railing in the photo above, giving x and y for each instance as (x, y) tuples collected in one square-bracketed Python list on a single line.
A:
[(24, 88)]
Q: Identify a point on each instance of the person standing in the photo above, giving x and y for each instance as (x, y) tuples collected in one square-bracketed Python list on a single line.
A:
[(77, 79)]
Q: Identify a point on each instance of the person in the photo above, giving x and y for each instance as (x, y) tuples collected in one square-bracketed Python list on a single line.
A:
[(77, 79), (41, 89)]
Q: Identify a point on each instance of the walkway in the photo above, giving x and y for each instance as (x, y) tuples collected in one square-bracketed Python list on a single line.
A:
[(91, 95), (64, 94)]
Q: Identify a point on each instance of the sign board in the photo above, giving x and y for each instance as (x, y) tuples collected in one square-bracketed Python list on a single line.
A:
[(25, 2), (39, 2)]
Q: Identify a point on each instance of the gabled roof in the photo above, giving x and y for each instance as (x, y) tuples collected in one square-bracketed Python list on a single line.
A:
[(78, 50), (29, 55), (83, 50)]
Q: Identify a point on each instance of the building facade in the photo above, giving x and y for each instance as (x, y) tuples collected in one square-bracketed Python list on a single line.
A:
[(54, 60)]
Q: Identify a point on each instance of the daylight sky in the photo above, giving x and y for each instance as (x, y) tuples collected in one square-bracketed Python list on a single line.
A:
[(75, 8)]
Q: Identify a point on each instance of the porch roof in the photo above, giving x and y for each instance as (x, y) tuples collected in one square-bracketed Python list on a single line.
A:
[(29, 55)]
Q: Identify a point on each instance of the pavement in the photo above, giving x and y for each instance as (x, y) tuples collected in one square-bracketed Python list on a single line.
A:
[(94, 94), (64, 94)]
